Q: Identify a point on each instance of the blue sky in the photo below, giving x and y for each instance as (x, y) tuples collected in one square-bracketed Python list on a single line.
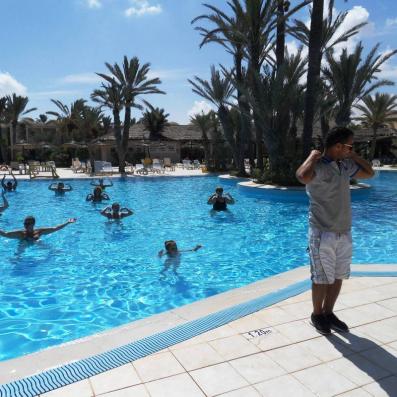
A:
[(51, 48)]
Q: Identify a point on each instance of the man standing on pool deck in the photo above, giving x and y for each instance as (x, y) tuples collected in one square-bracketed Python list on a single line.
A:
[(327, 179)]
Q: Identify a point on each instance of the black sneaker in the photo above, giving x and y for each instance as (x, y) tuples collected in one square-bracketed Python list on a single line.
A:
[(320, 322), (336, 324)]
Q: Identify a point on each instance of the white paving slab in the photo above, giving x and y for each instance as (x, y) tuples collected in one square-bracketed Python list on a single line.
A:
[(270, 353)]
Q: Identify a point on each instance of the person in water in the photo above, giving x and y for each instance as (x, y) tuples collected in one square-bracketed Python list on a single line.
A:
[(219, 201), (5, 203), (171, 249), (101, 183), (30, 233), (173, 256), (60, 188), (97, 196), (115, 212), (9, 186)]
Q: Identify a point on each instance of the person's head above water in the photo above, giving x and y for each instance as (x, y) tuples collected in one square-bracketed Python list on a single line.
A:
[(115, 207), (61, 185), (170, 246), (9, 185), (29, 223), (219, 190), (97, 191)]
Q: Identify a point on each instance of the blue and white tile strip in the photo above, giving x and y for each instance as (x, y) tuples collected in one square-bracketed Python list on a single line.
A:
[(83, 369)]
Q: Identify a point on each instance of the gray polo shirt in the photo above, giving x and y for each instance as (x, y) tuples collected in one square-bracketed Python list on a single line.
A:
[(329, 194)]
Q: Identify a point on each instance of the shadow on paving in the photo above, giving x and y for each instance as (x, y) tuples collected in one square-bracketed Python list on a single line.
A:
[(359, 344)]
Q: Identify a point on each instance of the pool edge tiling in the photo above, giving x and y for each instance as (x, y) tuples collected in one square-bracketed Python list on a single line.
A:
[(75, 371)]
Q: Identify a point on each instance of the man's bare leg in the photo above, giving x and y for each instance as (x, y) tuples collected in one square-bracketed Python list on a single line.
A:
[(331, 296), (319, 293)]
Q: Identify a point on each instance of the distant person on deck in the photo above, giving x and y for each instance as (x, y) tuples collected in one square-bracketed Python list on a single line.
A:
[(115, 212), (60, 188), (327, 179), (30, 233), (5, 203), (219, 201), (101, 183), (97, 196), (9, 186)]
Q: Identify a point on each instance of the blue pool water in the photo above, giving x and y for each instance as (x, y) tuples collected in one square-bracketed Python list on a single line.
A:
[(97, 274)]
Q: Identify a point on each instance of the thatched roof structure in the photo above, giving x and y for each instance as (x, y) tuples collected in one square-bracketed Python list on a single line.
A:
[(172, 132)]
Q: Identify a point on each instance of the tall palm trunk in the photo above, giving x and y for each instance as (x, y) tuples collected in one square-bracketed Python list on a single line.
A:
[(324, 127), (373, 142), (14, 125), (244, 135), (123, 147), (280, 40), (228, 130), (313, 73), (117, 135)]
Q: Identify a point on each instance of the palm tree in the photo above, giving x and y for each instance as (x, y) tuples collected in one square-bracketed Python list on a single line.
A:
[(279, 106), (351, 78), (15, 108), (377, 112), (229, 32), (219, 91), (154, 121), (204, 121), (67, 117), (131, 80), (90, 123)]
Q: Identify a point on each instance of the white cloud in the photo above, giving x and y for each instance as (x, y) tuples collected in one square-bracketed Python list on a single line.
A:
[(355, 16), (94, 3), (142, 7), (9, 85), (81, 78), (199, 107), (391, 22)]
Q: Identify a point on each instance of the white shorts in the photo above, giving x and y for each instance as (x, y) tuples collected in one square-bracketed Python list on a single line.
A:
[(330, 255)]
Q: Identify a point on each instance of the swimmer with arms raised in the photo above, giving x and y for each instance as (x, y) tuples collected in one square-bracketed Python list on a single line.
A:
[(97, 196), (115, 212), (30, 233), (9, 186), (101, 183), (60, 188), (219, 201)]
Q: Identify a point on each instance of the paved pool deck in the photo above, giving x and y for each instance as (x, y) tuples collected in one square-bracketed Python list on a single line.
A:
[(272, 352)]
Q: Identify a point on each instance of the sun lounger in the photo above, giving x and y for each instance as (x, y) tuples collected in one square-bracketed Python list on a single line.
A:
[(158, 168), (196, 164), (140, 169), (187, 164), (168, 164), (103, 167), (78, 166)]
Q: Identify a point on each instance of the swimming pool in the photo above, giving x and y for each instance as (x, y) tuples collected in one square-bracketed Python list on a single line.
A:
[(97, 274)]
